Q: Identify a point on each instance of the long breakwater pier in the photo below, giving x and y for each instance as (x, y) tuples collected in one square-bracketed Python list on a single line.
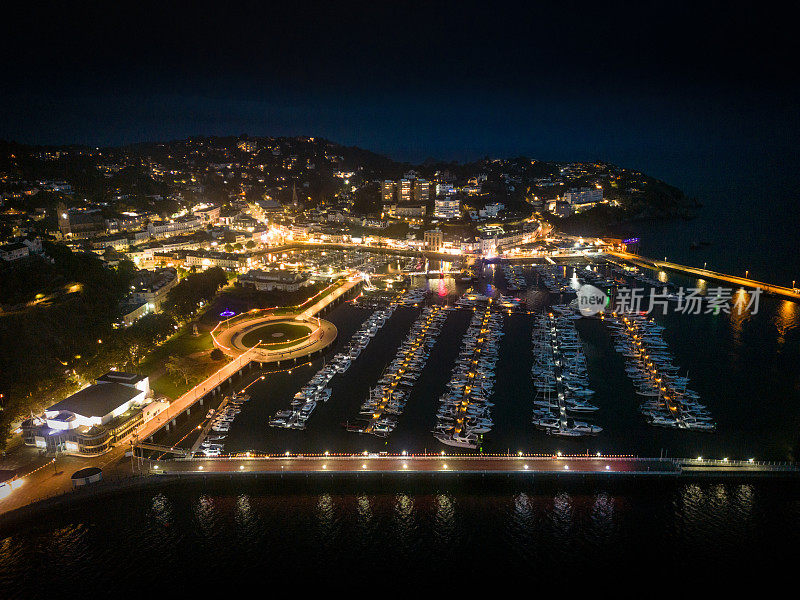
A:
[(405, 469), (649, 263), (590, 465)]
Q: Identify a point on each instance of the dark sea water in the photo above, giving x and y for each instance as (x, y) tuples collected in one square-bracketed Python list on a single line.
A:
[(243, 537), (740, 228)]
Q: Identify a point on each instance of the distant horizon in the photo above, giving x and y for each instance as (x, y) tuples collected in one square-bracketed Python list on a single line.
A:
[(696, 96), (246, 135)]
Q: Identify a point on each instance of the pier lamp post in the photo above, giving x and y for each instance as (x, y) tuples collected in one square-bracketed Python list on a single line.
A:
[(746, 273)]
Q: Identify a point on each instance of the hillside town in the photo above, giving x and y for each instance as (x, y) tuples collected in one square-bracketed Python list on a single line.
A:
[(213, 201), (155, 230)]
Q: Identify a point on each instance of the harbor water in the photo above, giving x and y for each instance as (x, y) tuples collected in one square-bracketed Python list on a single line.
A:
[(249, 535), (743, 367)]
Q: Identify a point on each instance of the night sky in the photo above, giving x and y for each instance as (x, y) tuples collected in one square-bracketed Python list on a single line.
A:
[(683, 92)]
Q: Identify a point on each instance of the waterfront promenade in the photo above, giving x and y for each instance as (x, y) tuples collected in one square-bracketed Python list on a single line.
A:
[(228, 337), (328, 299), (193, 395), (51, 485), (469, 464), (230, 340), (745, 282)]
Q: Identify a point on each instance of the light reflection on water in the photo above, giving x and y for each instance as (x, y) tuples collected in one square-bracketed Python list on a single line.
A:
[(442, 286), (246, 519), (325, 511), (444, 525), (206, 516), (589, 525), (562, 513), (327, 522), (364, 510), (405, 522), (786, 317), (161, 510), (739, 316)]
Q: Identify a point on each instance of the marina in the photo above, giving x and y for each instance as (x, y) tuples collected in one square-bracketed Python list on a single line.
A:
[(667, 399), (212, 441), (475, 385), (515, 278), (388, 398), (305, 401), (560, 375), (399, 372), (465, 412), (298, 291)]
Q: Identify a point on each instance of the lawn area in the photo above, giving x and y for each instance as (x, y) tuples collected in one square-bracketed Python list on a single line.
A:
[(182, 344), (166, 386), (174, 386), (276, 335)]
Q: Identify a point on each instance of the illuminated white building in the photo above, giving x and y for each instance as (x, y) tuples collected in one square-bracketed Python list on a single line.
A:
[(583, 198), (447, 207), (90, 420)]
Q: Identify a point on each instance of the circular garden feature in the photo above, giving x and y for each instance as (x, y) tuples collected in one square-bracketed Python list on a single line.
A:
[(277, 335)]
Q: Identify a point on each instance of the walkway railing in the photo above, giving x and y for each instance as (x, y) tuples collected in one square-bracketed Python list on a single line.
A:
[(194, 394)]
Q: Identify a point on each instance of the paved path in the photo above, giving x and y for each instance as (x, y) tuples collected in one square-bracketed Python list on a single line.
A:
[(54, 478), (192, 396), (315, 308), (49, 481), (374, 463), (229, 340), (412, 464)]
